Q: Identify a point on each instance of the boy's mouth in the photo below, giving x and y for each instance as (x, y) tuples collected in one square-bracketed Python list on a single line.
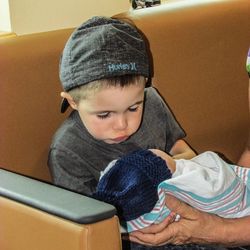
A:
[(120, 139)]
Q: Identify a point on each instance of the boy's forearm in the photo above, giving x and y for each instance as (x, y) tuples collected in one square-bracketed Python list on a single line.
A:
[(189, 154), (181, 150), (244, 160)]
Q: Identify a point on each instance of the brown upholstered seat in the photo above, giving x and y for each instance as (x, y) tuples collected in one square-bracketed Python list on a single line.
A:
[(198, 49)]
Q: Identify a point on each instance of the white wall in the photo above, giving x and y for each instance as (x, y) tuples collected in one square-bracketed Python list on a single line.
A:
[(4, 16), (31, 16)]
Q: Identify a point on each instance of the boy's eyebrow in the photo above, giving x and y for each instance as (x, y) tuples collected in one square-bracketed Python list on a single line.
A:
[(106, 111), (139, 102)]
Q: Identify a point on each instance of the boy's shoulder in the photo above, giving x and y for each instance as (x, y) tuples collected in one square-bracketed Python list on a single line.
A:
[(71, 130), (151, 91), (153, 97)]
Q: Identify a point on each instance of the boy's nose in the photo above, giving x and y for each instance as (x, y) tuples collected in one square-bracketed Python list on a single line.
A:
[(120, 123)]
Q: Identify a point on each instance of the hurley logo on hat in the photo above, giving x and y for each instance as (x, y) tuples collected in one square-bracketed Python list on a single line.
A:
[(122, 66)]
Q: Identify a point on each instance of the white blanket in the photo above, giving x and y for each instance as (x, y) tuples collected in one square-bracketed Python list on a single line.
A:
[(206, 182)]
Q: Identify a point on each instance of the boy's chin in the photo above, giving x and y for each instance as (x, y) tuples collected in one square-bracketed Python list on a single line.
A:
[(116, 140)]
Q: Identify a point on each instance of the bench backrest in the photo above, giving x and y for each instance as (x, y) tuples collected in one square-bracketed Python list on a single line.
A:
[(199, 52)]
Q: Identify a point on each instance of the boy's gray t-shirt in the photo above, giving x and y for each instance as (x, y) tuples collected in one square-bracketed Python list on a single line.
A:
[(76, 158)]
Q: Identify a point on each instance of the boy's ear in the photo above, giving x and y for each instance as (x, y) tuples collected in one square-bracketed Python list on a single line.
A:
[(70, 100)]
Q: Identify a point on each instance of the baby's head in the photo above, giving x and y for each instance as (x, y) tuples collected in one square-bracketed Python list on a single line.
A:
[(102, 52), (130, 183)]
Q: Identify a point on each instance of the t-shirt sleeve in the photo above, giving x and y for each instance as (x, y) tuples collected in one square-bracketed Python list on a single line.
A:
[(69, 171), (173, 130)]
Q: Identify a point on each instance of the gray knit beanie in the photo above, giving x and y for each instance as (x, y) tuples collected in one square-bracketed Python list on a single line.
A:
[(102, 48)]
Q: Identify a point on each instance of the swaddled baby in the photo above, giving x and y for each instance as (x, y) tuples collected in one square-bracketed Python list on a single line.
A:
[(138, 183)]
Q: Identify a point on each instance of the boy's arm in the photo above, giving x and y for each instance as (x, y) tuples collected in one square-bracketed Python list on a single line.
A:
[(167, 158), (181, 150), (245, 157), (70, 172)]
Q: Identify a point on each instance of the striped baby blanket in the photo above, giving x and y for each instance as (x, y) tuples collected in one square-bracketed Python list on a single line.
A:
[(205, 182)]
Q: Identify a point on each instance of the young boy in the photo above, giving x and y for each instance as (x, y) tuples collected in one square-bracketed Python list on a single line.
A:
[(139, 183), (104, 70)]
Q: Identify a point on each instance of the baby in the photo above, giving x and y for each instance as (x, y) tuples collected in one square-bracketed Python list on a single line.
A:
[(137, 184)]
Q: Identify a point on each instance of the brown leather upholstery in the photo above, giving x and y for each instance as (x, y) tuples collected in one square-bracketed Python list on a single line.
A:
[(30, 114), (42, 231), (199, 51), (30, 101)]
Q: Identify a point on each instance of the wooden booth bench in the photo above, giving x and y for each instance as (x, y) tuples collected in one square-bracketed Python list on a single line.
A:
[(199, 53)]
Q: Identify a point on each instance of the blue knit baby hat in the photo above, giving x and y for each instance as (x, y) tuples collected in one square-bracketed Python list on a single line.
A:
[(131, 184)]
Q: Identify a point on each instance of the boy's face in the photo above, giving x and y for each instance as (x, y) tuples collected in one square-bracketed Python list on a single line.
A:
[(113, 114)]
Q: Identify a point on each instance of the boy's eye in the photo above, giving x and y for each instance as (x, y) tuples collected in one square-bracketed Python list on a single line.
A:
[(103, 115), (133, 109)]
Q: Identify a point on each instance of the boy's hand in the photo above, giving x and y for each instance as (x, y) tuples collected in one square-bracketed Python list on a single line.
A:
[(167, 158)]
